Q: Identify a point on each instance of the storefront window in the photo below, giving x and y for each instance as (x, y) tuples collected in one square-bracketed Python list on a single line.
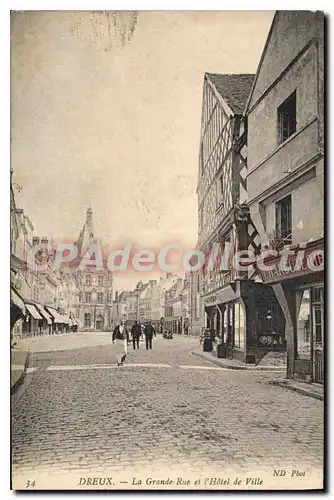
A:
[(230, 326), (303, 326), (225, 313), (318, 313), (239, 325), (242, 327), (236, 340), (317, 294), (317, 323), (270, 324)]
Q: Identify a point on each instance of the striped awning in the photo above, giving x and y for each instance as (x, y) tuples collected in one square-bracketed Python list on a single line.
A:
[(57, 318), (33, 311), (43, 312), (17, 301)]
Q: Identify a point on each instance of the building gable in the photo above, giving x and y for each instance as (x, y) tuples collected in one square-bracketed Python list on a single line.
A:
[(290, 32)]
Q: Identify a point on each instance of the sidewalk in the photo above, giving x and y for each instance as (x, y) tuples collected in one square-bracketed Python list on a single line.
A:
[(19, 365), (234, 364), (64, 341), (307, 389)]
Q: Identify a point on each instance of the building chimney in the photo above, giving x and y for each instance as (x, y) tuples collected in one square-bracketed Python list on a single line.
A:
[(44, 240), (169, 275), (36, 240)]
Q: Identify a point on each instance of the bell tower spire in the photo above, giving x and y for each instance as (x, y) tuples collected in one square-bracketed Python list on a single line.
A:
[(87, 234), (89, 223)]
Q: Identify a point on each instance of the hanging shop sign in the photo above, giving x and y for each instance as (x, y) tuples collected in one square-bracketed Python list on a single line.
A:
[(294, 263)]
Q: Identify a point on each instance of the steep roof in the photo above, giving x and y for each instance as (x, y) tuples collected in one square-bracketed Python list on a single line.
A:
[(233, 88), (297, 28), (166, 284), (124, 295), (175, 290), (87, 233)]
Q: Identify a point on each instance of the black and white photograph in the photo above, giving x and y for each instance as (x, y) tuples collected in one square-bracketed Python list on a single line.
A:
[(167, 297)]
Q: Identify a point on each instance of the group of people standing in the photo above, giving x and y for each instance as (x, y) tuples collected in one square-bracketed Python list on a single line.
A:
[(122, 338)]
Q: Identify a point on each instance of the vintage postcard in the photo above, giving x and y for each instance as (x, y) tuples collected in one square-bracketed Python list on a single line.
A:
[(167, 250)]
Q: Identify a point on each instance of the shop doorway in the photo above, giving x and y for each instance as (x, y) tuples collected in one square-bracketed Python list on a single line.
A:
[(318, 334)]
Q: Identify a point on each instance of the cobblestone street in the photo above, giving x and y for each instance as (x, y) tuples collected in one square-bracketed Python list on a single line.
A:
[(164, 410)]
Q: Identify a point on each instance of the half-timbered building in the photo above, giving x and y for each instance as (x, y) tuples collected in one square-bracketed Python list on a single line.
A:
[(238, 310)]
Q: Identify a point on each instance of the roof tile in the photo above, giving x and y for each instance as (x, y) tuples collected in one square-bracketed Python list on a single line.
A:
[(233, 88)]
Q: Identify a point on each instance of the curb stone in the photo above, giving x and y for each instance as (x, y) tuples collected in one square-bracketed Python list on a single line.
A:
[(234, 367), (20, 380), (300, 390)]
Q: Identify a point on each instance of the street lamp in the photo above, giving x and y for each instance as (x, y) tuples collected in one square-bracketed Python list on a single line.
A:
[(137, 292), (180, 320)]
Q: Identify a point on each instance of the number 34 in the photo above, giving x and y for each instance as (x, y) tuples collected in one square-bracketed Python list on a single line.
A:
[(30, 484)]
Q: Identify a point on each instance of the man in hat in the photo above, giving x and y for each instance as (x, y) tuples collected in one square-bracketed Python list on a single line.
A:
[(149, 331), (121, 337), (136, 334)]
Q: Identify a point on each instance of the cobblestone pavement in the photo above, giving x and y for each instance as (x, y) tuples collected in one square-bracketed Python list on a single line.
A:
[(165, 410)]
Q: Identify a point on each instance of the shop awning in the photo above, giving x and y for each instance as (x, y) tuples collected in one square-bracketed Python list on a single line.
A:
[(65, 319), (43, 312), (16, 299), (75, 322), (33, 311), (57, 318)]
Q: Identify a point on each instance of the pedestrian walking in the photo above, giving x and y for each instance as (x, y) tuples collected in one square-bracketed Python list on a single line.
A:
[(121, 337), (136, 334), (149, 331)]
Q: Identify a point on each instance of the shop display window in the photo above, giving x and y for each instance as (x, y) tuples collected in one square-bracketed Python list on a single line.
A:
[(304, 325)]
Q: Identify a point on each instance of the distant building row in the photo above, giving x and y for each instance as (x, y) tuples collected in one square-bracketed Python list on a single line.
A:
[(170, 303), (52, 301)]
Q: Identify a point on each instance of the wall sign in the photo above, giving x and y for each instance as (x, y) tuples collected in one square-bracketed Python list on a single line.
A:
[(297, 264)]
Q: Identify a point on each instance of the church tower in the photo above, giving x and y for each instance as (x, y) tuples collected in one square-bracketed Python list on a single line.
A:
[(87, 234), (95, 286)]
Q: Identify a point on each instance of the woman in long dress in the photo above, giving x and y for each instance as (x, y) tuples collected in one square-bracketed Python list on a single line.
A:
[(121, 337)]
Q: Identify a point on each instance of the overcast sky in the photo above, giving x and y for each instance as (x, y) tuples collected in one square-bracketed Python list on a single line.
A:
[(121, 127)]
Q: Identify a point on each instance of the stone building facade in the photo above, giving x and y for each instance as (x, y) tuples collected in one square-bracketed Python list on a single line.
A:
[(95, 285), (171, 302), (43, 301), (174, 306), (285, 181)]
